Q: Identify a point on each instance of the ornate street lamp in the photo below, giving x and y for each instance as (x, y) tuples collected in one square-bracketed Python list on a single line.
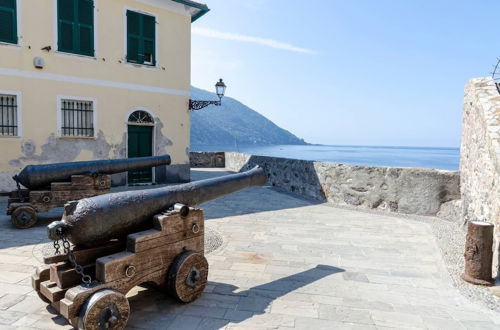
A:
[(220, 89)]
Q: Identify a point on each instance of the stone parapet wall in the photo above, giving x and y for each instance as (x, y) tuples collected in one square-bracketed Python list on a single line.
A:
[(405, 190)]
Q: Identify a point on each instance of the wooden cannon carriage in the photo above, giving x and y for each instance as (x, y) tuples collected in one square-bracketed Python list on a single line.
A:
[(170, 255), (24, 204), (165, 249)]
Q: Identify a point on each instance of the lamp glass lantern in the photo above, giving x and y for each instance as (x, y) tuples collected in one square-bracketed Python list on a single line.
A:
[(220, 89)]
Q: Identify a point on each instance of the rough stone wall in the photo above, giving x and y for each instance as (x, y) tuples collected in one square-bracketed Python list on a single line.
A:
[(207, 159), (480, 153), (405, 190)]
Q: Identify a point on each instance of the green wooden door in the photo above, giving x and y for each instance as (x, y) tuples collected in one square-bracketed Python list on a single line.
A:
[(140, 144)]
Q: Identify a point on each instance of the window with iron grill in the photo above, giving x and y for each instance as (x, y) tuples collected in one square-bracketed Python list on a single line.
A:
[(8, 115), (77, 118)]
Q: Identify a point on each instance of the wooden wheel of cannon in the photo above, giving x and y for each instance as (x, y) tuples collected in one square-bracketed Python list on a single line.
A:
[(105, 309), (187, 276), (24, 217), (118, 266)]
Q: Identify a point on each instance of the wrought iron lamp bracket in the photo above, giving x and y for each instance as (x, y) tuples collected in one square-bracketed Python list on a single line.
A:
[(198, 105), (220, 89)]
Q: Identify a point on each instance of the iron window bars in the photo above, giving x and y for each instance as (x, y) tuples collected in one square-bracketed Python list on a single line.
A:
[(77, 118), (141, 117), (8, 115)]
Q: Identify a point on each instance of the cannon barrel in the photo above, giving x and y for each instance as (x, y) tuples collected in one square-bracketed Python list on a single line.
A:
[(101, 218), (39, 176)]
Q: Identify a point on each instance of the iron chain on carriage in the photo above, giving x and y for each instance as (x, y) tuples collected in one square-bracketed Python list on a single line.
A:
[(86, 279), (57, 246)]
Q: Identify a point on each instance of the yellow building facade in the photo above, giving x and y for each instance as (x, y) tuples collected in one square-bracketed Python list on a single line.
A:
[(95, 79)]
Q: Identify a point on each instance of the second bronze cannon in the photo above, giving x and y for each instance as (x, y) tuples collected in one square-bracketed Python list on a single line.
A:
[(53, 185)]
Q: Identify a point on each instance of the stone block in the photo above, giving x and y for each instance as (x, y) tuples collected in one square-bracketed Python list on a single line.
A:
[(184, 322), (207, 159)]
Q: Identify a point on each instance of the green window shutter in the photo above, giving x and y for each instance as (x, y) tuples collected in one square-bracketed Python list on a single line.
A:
[(8, 21), (66, 10), (65, 25), (148, 30), (133, 49), (133, 23), (66, 38), (86, 12), (76, 26), (85, 34), (133, 36), (141, 38), (148, 35)]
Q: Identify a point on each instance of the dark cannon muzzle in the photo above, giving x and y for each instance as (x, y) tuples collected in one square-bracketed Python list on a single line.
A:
[(101, 218), (39, 176)]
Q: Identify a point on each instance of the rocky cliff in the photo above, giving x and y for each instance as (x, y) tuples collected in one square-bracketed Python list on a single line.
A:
[(234, 123)]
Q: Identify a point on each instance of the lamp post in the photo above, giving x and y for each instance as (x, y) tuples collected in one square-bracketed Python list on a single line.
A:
[(220, 89)]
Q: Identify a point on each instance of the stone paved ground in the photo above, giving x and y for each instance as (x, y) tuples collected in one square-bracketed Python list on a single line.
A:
[(286, 263)]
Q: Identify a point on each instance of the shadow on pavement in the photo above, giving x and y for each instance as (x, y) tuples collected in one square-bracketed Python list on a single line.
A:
[(241, 305)]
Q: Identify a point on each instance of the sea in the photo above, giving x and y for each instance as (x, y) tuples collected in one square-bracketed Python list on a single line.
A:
[(421, 157)]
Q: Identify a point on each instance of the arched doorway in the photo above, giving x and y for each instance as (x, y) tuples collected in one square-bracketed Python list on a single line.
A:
[(140, 144)]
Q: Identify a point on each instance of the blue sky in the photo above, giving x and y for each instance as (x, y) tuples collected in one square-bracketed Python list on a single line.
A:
[(355, 72)]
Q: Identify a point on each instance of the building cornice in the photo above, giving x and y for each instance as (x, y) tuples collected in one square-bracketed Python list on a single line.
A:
[(184, 7), (200, 8)]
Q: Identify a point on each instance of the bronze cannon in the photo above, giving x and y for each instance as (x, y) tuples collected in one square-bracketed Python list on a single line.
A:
[(39, 176), (53, 185), (130, 238), (100, 218)]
